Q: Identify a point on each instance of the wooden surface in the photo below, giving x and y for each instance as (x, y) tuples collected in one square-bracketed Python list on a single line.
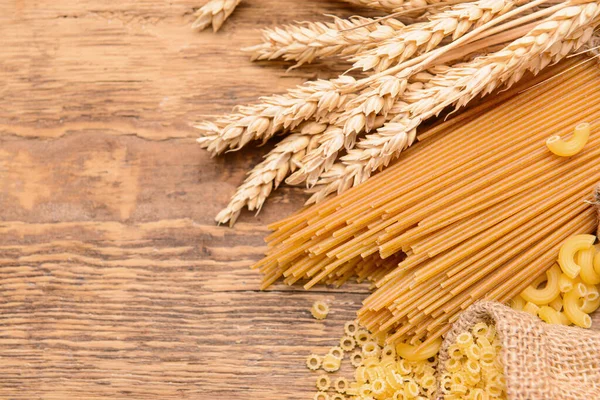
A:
[(114, 281)]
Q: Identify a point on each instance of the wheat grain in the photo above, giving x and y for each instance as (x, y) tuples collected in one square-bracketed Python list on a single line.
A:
[(269, 174), (273, 114), (308, 41), (425, 36), (550, 41), (214, 13)]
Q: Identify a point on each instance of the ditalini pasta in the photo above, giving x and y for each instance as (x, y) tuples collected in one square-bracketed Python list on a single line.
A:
[(477, 210), (381, 371), (474, 370), (319, 310)]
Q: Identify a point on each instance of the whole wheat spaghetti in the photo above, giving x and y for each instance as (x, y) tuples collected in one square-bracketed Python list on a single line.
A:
[(477, 210)]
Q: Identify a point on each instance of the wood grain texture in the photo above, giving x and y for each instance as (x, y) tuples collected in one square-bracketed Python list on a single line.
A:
[(114, 281)]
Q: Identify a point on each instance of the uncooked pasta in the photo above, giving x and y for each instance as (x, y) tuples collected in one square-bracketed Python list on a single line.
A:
[(478, 210)]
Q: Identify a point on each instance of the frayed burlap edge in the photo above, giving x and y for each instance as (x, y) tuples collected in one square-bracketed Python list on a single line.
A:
[(541, 361)]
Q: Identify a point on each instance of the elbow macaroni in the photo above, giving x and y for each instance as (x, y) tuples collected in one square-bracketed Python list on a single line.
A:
[(550, 292), (568, 296), (568, 148), (566, 255)]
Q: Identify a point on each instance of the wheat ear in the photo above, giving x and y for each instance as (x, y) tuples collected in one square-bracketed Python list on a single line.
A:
[(305, 42), (423, 37), (385, 90), (214, 13), (269, 174), (335, 139), (273, 114), (366, 112), (549, 42)]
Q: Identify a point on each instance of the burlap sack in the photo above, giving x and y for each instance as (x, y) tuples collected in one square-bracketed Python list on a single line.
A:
[(541, 361)]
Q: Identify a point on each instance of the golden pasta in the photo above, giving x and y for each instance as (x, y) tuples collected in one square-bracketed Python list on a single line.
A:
[(566, 256), (381, 373), (313, 362), (568, 148), (321, 396), (347, 343), (451, 227), (563, 299), (482, 377), (341, 384), (571, 304), (323, 383), (549, 292), (319, 310), (356, 359), (337, 352), (331, 363)]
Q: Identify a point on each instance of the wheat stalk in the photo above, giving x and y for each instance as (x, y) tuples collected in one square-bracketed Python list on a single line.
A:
[(308, 41), (425, 36), (269, 174), (377, 100), (550, 41), (364, 115), (336, 138), (273, 114), (214, 13), (405, 6)]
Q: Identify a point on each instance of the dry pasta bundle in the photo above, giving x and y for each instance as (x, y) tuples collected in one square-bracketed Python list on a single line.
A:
[(538, 360), (477, 210), (381, 371)]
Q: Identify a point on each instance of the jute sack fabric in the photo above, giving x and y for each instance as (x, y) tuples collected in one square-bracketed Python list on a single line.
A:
[(541, 361)]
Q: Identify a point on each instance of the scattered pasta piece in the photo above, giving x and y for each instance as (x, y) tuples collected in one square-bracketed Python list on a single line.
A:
[(337, 352), (356, 359), (371, 349), (323, 382), (338, 396), (362, 336), (313, 362), (350, 328), (319, 310), (341, 385), (321, 396), (568, 148), (331, 363), (347, 343)]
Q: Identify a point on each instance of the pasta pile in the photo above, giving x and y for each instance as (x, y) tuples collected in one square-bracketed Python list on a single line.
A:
[(380, 371), (568, 293), (478, 210), (474, 370)]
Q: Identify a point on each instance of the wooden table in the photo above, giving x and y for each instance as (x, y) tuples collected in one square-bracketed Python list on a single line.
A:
[(115, 282)]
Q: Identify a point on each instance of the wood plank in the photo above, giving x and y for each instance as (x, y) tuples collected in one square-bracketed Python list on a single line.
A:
[(115, 282)]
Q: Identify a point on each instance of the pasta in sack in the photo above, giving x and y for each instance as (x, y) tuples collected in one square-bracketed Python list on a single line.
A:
[(541, 361)]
